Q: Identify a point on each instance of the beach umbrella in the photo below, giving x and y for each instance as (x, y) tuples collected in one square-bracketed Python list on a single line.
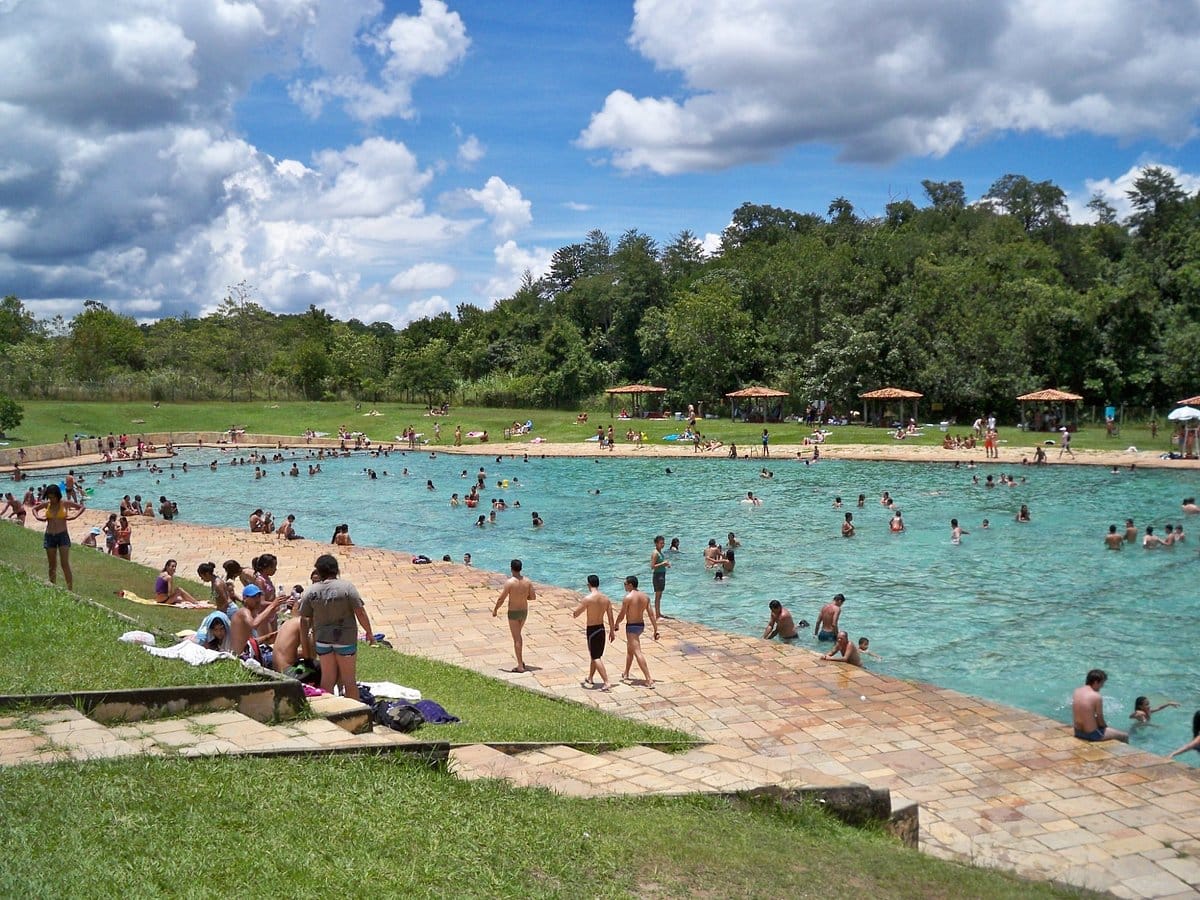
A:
[(1183, 413)]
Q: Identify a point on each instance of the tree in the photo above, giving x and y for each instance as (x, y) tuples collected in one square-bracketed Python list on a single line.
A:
[(1156, 197), (945, 196), (713, 335), (1105, 212), (1037, 204), (11, 414), (102, 341), (16, 322)]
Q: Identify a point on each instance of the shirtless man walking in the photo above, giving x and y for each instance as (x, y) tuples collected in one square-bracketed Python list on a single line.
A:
[(1087, 711), (826, 628), (597, 606), (634, 609), (518, 591)]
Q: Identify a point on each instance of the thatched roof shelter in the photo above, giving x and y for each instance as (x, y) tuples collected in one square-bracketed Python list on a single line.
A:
[(636, 391), (1051, 396), (882, 395), (758, 396)]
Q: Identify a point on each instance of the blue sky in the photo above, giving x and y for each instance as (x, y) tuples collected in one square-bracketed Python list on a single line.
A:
[(387, 160)]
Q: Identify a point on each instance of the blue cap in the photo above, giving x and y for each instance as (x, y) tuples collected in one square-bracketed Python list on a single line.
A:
[(251, 590)]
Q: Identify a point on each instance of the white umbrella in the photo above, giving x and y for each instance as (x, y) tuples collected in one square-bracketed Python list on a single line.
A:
[(1183, 413)]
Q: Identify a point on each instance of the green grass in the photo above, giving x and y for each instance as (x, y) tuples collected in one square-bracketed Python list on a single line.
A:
[(51, 642), (376, 826), (46, 421), (491, 710)]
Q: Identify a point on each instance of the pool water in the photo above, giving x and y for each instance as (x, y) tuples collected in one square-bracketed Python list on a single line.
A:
[(1017, 613)]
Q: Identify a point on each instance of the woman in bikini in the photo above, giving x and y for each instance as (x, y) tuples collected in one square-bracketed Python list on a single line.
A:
[(223, 596), (165, 590), (124, 538), (56, 513)]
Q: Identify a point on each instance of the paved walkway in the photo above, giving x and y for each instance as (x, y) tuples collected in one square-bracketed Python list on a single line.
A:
[(996, 785)]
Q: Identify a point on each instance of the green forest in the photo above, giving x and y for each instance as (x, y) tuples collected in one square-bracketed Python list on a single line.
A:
[(971, 303)]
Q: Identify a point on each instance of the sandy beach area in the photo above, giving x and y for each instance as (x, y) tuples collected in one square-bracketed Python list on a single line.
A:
[(781, 454)]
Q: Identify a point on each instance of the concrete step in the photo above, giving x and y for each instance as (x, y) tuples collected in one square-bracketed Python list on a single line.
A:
[(348, 714), (56, 736), (477, 761)]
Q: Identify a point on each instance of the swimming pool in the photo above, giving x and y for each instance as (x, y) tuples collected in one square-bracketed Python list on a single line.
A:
[(1017, 613)]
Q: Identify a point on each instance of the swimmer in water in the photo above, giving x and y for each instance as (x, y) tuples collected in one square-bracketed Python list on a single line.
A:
[(1130, 531), (781, 624), (1142, 712), (848, 526), (1023, 514), (751, 499), (1151, 540), (897, 523), (956, 532), (1113, 540)]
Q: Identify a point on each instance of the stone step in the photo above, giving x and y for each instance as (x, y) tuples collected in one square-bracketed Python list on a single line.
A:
[(476, 761), (58, 735), (348, 714)]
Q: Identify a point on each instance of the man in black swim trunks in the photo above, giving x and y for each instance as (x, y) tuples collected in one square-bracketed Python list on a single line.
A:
[(597, 606)]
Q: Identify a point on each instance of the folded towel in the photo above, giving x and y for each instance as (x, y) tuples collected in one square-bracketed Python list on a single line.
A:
[(190, 652), (389, 690)]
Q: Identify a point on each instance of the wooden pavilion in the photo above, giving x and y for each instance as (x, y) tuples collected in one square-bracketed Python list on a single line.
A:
[(636, 391), (882, 395), (1051, 396), (758, 396)]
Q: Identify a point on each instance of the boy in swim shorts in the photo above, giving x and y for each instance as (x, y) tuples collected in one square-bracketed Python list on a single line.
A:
[(634, 608), (517, 591), (597, 606)]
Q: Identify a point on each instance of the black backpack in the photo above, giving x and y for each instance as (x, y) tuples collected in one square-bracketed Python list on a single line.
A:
[(398, 715)]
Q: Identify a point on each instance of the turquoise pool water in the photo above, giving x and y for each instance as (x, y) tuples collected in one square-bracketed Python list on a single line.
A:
[(1017, 613)]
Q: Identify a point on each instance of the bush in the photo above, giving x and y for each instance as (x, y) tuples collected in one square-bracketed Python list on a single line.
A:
[(11, 414)]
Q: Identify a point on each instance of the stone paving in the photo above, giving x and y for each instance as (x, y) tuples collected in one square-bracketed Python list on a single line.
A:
[(997, 786)]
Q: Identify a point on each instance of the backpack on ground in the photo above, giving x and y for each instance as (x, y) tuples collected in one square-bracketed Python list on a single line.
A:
[(398, 715)]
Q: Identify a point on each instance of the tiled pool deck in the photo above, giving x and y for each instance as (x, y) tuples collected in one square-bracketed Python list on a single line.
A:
[(997, 786)]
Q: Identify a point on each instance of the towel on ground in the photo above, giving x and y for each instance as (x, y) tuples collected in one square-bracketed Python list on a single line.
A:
[(435, 713), (190, 652), (134, 598), (389, 690), (138, 637)]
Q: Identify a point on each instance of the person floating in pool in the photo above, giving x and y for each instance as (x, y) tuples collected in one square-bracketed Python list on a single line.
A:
[(751, 499), (1142, 712), (1087, 711)]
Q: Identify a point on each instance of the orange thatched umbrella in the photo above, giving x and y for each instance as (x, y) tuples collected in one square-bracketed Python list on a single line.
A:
[(636, 391), (891, 393), (755, 394), (1050, 395)]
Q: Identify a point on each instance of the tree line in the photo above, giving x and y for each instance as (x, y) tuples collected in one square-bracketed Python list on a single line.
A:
[(971, 303)]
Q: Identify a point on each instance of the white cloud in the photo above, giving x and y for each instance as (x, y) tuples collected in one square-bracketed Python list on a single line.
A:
[(408, 48), (1116, 191), (122, 180), (424, 277), (578, 207), (510, 212), (471, 151), (883, 80), (711, 245), (512, 262)]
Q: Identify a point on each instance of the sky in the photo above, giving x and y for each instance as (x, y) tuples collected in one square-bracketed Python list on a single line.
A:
[(391, 160)]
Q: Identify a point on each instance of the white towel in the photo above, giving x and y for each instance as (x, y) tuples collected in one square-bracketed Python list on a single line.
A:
[(138, 637), (190, 652), (389, 690)]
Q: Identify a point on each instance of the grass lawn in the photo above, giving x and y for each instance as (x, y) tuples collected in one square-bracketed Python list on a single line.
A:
[(46, 422), (375, 826), (87, 656), (51, 642)]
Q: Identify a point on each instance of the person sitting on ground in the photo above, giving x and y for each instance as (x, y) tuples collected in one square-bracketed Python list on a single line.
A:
[(1087, 711), (223, 597), (1142, 711), (1194, 743), (165, 590), (288, 645), (253, 620), (213, 632), (256, 521), (287, 530)]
